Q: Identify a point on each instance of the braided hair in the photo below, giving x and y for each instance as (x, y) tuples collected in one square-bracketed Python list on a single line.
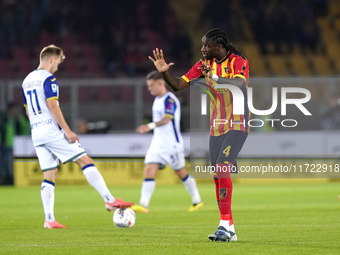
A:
[(220, 37)]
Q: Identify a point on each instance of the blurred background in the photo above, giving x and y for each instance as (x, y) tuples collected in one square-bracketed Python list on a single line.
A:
[(107, 43)]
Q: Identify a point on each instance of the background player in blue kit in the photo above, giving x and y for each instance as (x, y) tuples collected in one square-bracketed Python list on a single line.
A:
[(52, 137), (166, 145)]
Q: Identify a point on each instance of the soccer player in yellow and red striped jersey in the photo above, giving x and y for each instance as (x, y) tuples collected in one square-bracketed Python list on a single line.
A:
[(222, 64)]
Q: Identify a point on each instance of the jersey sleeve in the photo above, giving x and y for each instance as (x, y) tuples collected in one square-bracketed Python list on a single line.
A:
[(193, 73), (170, 107), (51, 88), (23, 97), (241, 67)]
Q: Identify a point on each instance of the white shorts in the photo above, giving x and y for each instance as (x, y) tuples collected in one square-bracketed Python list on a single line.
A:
[(50, 153), (176, 160)]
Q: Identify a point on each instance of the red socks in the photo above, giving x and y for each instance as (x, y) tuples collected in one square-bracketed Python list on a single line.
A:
[(224, 189), (216, 190), (225, 192)]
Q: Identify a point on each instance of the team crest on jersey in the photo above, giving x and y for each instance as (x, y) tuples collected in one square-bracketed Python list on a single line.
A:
[(226, 69), (222, 193)]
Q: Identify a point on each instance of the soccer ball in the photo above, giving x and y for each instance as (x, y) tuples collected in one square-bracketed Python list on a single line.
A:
[(124, 218)]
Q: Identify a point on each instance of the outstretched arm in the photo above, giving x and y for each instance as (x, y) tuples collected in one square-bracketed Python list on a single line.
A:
[(162, 67), (146, 128)]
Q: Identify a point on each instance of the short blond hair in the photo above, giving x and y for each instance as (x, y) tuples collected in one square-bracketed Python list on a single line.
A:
[(154, 75), (51, 50)]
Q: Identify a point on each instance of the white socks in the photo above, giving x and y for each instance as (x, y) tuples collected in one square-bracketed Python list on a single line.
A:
[(148, 188), (225, 224), (232, 228), (224, 221), (190, 185), (93, 177), (149, 185), (96, 180), (47, 197)]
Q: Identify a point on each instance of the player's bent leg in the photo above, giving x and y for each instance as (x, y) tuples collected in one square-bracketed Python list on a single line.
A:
[(96, 180), (150, 170), (84, 160), (51, 174), (191, 186), (182, 173), (148, 187)]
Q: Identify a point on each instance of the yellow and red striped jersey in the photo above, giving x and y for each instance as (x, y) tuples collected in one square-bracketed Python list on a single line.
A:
[(231, 66)]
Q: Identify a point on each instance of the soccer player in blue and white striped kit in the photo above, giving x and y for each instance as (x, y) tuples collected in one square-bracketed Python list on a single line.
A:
[(52, 138), (166, 145)]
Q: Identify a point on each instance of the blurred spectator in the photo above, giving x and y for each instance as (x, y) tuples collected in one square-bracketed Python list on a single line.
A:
[(118, 26), (321, 7), (331, 119), (12, 123), (227, 15), (82, 126), (279, 25), (216, 11), (99, 127), (7, 28), (181, 48), (115, 26)]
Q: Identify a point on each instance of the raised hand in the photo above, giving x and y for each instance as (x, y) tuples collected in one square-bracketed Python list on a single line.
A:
[(159, 61), (205, 69)]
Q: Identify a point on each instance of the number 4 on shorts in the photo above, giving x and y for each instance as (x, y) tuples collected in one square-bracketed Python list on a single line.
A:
[(226, 151)]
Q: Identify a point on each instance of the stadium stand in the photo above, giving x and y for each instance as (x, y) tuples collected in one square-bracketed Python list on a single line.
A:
[(299, 65), (6, 69), (97, 44), (280, 38)]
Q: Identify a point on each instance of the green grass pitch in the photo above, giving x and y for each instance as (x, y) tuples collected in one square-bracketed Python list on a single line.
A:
[(269, 219)]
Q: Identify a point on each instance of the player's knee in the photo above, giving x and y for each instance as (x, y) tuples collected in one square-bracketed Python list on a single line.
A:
[(181, 173), (150, 170), (85, 160), (51, 174), (89, 160), (149, 174)]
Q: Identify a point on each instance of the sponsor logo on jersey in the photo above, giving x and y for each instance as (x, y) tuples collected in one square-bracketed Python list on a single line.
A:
[(41, 123), (53, 79), (54, 87)]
